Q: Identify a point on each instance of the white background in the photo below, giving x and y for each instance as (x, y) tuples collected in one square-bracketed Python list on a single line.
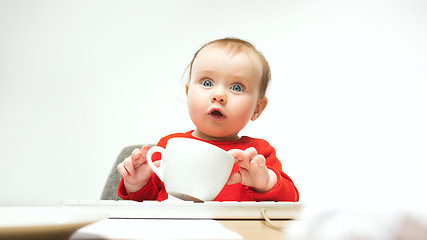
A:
[(80, 80)]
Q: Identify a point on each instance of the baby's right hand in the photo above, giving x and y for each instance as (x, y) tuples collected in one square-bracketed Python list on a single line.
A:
[(135, 169)]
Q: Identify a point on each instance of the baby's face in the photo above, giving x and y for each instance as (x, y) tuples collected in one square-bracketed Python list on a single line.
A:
[(223, 92)]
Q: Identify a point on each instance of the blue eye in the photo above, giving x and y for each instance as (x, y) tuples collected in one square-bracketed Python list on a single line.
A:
[(207, 83), (236, 88)]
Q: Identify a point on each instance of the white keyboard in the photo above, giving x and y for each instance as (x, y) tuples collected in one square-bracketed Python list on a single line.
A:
[(190, 210)]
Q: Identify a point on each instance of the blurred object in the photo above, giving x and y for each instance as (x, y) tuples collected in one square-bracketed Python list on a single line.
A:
[(45, 223), (354, 224)]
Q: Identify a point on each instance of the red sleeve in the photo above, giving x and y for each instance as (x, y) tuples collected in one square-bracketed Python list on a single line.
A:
[(149, 192), (284, 190)]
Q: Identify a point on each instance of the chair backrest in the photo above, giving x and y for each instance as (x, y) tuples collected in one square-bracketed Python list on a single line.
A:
[(112, 184)]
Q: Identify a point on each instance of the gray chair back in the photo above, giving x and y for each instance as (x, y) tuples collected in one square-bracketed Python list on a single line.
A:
[(112, 184)]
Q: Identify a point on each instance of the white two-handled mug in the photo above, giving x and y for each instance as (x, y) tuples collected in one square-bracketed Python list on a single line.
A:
[(191, 169)]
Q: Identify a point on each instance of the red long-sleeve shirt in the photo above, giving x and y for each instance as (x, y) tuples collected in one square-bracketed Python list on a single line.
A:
[(284, 190)]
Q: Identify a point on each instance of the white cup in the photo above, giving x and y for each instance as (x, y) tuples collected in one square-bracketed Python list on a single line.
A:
[(191, 169)]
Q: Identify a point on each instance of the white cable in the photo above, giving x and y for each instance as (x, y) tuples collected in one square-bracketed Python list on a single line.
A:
[(269, 222)]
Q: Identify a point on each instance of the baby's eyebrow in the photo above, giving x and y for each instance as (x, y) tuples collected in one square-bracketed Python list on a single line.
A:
[(205, 72), (241, 78)]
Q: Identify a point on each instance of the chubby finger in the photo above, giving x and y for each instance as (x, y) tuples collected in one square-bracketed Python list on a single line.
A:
[(258, 160), (240, 157), (139, 156), (251, 153), (136, 154), (157, 163), (143, 152), (234, 178), (122, 170), (129, 166), (237, 154)]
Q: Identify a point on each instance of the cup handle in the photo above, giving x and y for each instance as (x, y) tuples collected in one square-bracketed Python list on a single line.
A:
[(157, 170)]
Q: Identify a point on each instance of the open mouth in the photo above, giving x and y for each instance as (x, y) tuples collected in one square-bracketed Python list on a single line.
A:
[(216, 114)]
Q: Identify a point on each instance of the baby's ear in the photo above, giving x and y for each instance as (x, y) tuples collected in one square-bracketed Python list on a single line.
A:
[(260, 106)]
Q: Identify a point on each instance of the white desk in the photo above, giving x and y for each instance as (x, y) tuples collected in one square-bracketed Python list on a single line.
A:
[(180, 229), (62, 222)]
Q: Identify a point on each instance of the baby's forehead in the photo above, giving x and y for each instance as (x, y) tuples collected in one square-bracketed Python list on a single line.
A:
[(213, 54), (230, 51)]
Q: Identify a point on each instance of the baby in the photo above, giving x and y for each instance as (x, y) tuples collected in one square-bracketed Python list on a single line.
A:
[(227, 82)]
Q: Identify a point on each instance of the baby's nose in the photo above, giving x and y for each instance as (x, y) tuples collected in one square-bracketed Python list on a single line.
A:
[(219, 97)]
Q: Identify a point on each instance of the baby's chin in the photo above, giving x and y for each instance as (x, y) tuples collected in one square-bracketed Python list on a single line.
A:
[(216, 136)]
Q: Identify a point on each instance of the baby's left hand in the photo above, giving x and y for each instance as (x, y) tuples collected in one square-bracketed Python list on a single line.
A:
[(252, 171)]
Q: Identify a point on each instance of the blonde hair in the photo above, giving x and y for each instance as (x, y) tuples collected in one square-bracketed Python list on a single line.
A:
[(235, 46)]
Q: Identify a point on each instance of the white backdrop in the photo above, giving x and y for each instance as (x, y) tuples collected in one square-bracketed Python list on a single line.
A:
[(80, 80)]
